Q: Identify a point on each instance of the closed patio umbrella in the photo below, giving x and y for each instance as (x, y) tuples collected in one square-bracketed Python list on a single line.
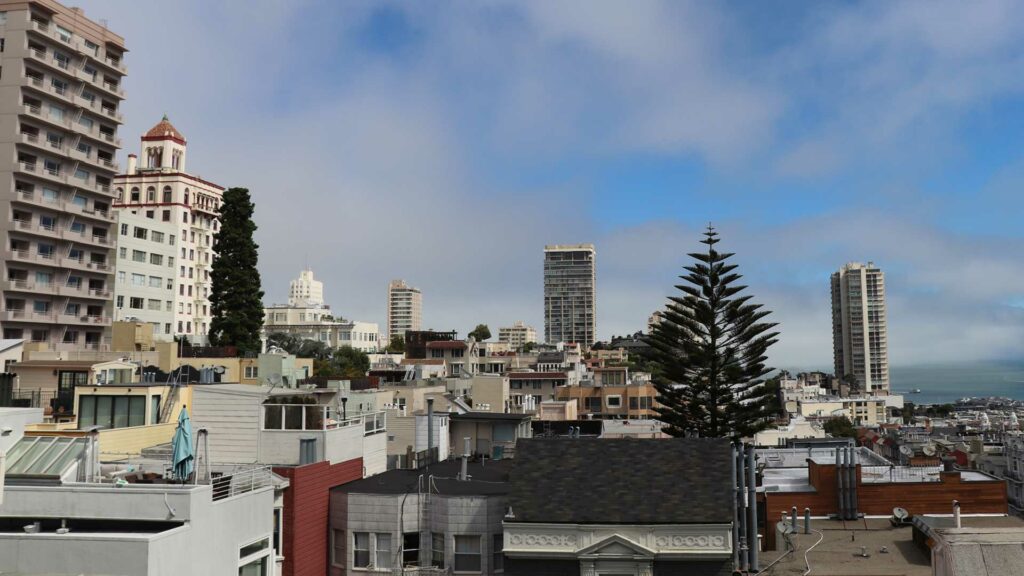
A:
[(182, 451)]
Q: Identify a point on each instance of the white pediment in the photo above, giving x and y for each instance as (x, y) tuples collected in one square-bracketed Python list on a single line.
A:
[(617, 546)]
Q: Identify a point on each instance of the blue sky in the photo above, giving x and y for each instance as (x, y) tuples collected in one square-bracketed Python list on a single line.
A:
[(446, 143)]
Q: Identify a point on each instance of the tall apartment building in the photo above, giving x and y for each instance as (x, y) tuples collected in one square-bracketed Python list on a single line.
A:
[(517, 335), (167, 219), (405, 308), (859, 332), (305, 291), (570, 279), (60, 93)]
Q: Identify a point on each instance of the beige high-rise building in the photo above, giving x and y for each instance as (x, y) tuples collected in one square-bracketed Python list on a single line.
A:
[(405, 308), (570, 294), (60, 100), (305, 291), (517, 335), (859, 330)]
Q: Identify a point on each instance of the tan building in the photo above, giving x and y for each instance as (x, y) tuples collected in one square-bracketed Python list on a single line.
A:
[(167, 220), (517, 335), (61, 93), (305, 290), (405, 308), (597, 402), (859, 330)]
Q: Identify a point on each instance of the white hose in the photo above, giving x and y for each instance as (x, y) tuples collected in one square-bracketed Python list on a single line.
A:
[(821, 536)]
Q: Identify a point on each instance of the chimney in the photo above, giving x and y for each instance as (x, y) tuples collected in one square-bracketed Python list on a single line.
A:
[(956, 513), (430, 427), (133, 161), (465, 460)]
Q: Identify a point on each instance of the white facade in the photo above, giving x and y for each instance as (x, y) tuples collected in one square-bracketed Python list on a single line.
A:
[(305, 291), (167, 221), (517, 335), (317, 323), (405, 308), (859, 329)]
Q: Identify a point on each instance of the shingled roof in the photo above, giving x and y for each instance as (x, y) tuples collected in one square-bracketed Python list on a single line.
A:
[(622, 481)]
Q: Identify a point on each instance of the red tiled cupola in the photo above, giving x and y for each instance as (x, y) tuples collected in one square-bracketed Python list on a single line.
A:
[(164, 130)]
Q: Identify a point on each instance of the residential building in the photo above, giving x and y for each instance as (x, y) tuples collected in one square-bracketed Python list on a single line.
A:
[(860, 338), (1013, 449), (570, 309), (517, 335), (54, 383), (460, 356), (566, 516), (557, 410), (84, 518), (861, 410), (490, 434), (305, 291), (405, 309), (797, 428), (320, 325), (167, 220), (533, 388), (815, 478), (630, 401), (307, 316), (391, 524), (62, 97)]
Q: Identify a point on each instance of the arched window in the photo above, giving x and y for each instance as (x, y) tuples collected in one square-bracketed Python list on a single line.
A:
[(167, 194), (151, 194), (135, 194), (186, 196), (120, 194)]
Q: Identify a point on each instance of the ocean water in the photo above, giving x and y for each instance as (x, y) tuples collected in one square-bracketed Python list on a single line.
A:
[(941, 383)]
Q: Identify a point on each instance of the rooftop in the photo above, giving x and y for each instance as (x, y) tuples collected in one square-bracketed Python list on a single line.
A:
[(485, 478), (691, 478), (164, 130)]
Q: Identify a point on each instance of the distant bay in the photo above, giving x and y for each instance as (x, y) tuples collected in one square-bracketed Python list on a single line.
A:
[(942, 383)]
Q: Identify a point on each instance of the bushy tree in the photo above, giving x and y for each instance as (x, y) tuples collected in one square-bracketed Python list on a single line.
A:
[(481, 332), (708, 353), (235, 295), (840, 427), (343, 362), (397, 344)]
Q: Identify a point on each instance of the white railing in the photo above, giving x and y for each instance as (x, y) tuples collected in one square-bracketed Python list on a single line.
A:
[(299, 417), (240, 482)]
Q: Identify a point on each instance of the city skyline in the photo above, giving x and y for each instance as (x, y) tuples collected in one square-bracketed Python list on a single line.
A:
[(384, 139)]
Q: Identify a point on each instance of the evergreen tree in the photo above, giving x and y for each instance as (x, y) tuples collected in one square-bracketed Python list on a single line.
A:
[(708, 353), (397, 344), (235, 295)]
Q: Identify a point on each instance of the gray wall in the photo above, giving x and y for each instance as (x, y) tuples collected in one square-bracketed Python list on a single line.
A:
[(452, 515), (233, 421)]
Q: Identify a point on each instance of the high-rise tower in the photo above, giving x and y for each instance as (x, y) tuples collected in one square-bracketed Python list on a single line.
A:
[(405, 309), (60, 100), (570, 280), (859, 330)]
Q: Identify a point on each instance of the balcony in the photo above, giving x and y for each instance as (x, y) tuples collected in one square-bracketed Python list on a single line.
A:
[(78, 320), (112, 113), (27, 316), (116, 64), (29, 286), (36, 199), (110, 88)]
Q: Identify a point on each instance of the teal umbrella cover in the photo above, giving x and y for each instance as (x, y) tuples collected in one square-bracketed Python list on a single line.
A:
[(182, 453)]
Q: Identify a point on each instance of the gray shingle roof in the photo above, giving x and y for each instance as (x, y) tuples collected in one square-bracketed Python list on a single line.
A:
[(622, 481)]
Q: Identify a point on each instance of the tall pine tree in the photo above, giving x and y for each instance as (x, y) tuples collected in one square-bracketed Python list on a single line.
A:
[(235, 295), (708, 353)]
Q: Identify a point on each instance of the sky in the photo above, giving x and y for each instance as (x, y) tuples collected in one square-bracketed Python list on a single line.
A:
[(446, 143)]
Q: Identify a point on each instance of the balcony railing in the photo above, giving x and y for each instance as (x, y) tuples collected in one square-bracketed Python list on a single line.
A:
[(298, 417), (240, 482)]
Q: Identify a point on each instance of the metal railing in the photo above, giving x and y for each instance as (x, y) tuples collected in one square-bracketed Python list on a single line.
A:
[(887, 474), (240, 482)]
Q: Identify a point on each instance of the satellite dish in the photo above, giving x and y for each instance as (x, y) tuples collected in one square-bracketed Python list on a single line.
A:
[(219, 369), (906, 450), (900, 513), (929, 450)]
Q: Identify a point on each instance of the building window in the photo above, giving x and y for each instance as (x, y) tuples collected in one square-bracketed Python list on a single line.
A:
[(111, 411), (135, 303), (497, 553), (467, 553), (361, 549), (251, 372), (157, 236), (337, 547), (383, 554), (138, 279), (254, 559), (140, 233), (120, 301), (614, 401), (157, 259), (411, 549), (124, 229), (138, 256), (437, 550)]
